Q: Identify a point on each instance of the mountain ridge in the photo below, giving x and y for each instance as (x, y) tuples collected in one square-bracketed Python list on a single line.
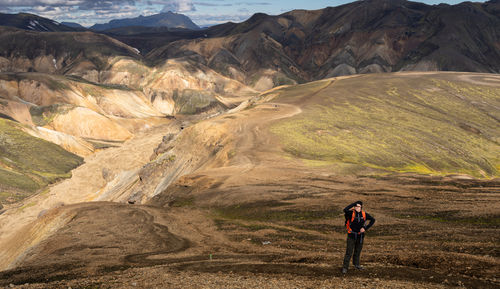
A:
[(33, 22), (164, 19), (359, 37)]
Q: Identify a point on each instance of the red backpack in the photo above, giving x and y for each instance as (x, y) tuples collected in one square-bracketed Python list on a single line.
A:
[(348, 222)]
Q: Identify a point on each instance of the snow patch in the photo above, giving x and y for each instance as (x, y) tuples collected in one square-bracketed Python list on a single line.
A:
[(55, 63), (34, 24), (43, 27), (136, 50)]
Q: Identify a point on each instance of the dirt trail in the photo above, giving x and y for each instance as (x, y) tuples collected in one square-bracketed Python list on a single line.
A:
[(251, 133), (86, 180)]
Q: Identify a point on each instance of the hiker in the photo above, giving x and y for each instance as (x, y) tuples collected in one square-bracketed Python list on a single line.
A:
[(355, 223)]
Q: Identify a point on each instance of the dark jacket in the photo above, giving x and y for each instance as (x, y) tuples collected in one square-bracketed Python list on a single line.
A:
[(358, 222)]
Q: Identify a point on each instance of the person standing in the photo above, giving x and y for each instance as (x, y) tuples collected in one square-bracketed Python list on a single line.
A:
[(356, 227)]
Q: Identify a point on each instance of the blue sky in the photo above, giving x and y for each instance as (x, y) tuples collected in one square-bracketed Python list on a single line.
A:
[(202, 12)]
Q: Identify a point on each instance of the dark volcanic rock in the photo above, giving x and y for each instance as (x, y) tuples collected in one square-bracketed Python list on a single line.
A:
[(359, 37)]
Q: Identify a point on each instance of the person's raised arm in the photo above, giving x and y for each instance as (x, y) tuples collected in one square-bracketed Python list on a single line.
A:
[(346, 209)]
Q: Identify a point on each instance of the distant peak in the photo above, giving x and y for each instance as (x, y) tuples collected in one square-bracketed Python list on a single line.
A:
[(386, 1), (258, 16)]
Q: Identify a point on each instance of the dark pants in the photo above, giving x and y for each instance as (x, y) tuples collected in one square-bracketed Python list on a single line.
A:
[(354, 244)]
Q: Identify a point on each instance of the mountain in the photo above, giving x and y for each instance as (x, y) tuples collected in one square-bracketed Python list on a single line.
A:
[(300, 46), (32, 22), (80, 53), (102, 60), (73, 25), (148, 38), (360, 37), (167, 19)]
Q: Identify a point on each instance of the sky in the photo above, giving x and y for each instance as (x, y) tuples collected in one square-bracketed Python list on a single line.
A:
[(202, 12)]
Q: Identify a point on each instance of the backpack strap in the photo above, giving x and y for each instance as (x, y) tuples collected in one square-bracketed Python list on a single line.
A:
[(348, 223)]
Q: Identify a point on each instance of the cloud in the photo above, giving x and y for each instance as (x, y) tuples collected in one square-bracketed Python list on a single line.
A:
[(88, 12), (211, 4), (80, 4), (208, 19), (181, 6), (105, 4)]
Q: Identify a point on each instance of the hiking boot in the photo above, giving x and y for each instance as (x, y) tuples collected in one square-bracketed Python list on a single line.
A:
[(359, 267), (344, 271)]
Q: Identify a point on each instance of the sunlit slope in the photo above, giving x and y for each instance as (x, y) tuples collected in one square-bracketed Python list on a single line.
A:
[(28, 164), (437, 123)]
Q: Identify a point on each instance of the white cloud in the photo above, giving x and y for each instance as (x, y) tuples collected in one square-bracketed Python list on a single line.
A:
[(181, 6), (88, 12), (208, 19)]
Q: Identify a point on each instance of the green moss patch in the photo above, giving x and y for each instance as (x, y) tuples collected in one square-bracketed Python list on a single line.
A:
[(17, 180), (42, 115), (191, 101), (29, 163), (183, 202), (420, 124)]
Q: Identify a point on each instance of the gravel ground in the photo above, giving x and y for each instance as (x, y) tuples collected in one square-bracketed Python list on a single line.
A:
[(162, 277)]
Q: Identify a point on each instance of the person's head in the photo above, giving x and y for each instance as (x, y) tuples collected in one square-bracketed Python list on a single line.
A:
[(358, 206)]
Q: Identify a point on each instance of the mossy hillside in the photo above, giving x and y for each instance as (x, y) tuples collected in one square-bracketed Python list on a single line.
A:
[(28, 163), (191, 101), (43, 115), (17, 180), (430, 124)]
